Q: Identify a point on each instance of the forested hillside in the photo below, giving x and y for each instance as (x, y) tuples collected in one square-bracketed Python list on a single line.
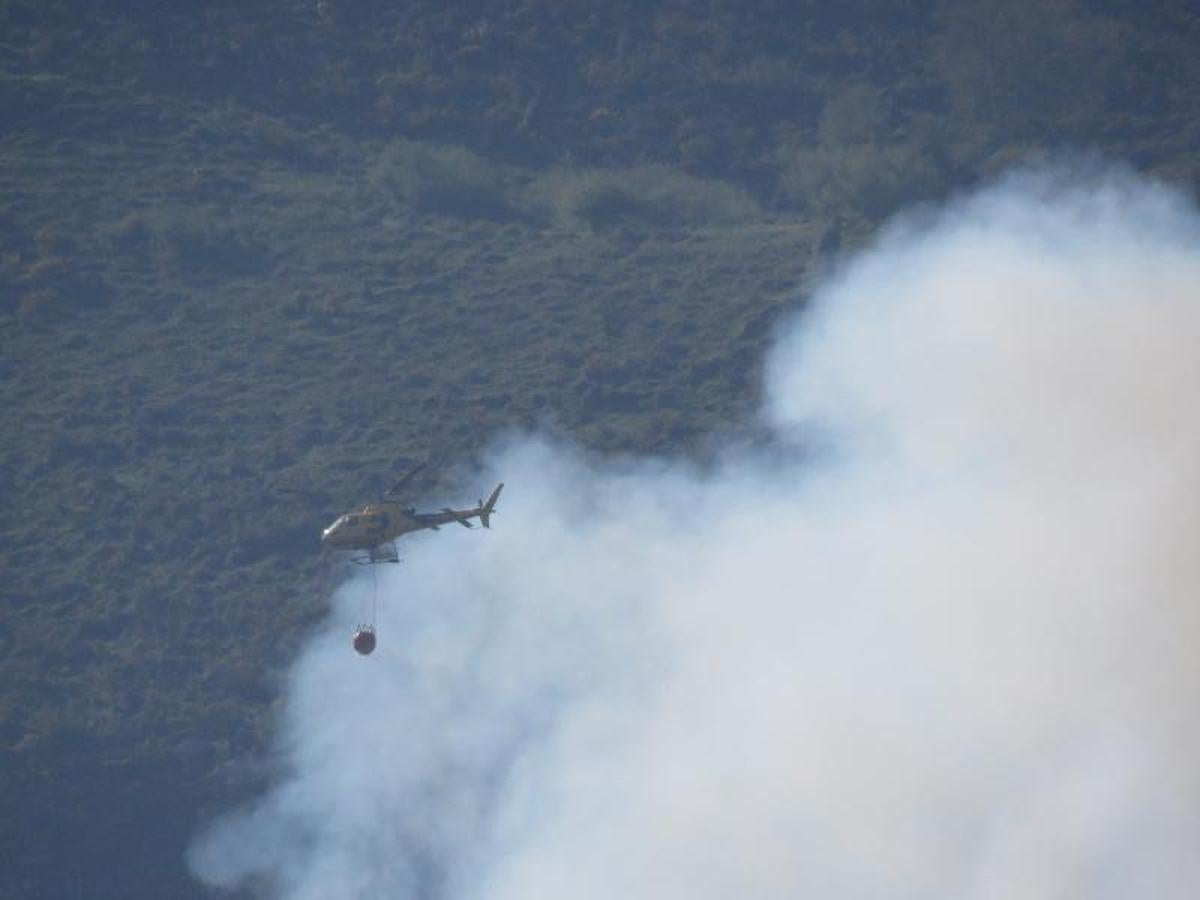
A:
[(258, 258)]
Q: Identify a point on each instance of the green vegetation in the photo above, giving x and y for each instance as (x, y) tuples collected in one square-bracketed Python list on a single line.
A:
[(441, 180), (655, 197), (254, 260)]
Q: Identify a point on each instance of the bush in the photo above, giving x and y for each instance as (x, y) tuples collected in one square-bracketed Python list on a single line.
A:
[(39, 304), (47, 270), (647, 196), (211, 245), (130, 233), (442, 180), (868, 179)]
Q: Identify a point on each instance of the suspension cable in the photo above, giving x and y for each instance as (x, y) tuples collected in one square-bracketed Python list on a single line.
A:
[(374, 595)]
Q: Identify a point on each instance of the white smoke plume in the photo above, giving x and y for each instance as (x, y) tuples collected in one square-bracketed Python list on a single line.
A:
[(939, 642)]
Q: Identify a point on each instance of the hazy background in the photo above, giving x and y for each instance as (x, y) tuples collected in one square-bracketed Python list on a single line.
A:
[(259, 259), (933, 639)]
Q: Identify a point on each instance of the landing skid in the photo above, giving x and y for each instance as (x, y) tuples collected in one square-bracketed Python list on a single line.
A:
[(384, 553)]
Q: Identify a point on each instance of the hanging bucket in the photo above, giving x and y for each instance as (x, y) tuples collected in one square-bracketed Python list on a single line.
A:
[(364, 641)]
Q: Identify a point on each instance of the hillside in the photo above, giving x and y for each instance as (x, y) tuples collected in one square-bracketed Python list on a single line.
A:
[(257, 259)]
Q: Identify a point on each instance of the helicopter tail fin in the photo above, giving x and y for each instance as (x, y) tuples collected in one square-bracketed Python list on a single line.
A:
[(485, 509)]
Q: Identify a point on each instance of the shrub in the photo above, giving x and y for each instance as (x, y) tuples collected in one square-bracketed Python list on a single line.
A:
[(46, 270), (130, 233), (51, 240), (215, 246), (440, 179), (39, 304), (54, 287), (868, 179), (648, 196)]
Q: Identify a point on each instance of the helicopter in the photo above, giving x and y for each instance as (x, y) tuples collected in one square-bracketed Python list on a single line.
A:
[(375, 527)]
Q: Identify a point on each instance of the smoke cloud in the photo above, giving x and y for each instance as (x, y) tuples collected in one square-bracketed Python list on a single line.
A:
[(939, 641)]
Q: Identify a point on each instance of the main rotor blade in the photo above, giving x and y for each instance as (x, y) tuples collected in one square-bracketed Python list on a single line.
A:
[(404, 480)]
